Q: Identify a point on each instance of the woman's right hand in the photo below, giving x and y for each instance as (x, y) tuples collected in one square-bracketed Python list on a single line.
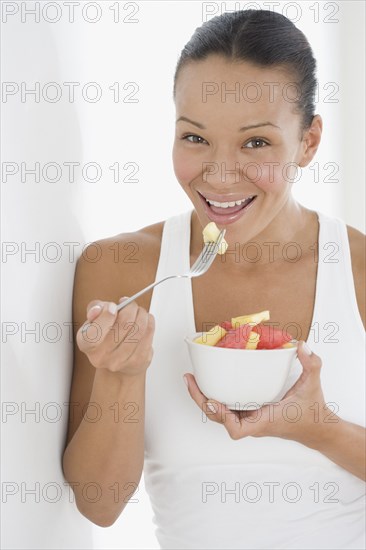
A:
[(120, 341)]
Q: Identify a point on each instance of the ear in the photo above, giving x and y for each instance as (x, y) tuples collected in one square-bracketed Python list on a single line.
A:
[(310, 141)]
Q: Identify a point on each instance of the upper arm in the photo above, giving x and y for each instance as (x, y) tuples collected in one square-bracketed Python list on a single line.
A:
[(95, 279), (116, 273), (357, 241)]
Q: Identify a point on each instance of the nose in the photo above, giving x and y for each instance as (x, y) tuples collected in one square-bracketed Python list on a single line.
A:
[(219, 174), (221, 170)]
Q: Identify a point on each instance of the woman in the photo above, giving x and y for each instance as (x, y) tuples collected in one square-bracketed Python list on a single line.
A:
[(244, 90)]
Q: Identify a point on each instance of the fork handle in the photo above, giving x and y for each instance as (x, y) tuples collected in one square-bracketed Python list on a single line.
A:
[(132, 298)]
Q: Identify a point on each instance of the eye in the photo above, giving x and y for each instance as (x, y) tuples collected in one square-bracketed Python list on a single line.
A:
[(257, 143), (194, 138)]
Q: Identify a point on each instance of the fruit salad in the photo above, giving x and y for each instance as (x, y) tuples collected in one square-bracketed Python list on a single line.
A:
[(247, 332)]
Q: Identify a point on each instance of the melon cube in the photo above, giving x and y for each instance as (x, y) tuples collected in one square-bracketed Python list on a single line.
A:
[(234, 338), (270, 337)]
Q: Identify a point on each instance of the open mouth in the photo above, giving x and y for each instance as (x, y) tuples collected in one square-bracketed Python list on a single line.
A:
[(225, 208)]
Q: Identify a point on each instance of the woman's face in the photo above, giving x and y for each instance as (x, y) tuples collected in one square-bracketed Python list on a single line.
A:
[(238, 138)]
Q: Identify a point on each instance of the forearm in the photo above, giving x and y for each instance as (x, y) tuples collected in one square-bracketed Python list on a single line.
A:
[(345, 444), (109, 451)]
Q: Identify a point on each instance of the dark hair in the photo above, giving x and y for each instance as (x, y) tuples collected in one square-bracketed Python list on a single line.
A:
[(263, 37)]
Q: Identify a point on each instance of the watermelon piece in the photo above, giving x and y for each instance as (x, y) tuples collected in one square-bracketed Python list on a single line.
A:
[(235, 338), (226, 325), (271, 337)]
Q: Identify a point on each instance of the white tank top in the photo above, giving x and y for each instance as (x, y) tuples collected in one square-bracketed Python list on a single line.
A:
[(210, 491)]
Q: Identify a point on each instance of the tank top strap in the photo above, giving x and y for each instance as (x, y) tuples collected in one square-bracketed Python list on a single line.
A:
[(335, 277), (174, 250)]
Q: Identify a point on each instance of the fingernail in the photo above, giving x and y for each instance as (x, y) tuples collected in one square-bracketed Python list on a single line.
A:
[(93, 312), (306, 349), (112, 308), (95, 309), (123, 298), (211, 407), (185, 380)]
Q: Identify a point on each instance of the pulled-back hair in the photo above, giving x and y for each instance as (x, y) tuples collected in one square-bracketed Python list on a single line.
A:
[(264, 38)]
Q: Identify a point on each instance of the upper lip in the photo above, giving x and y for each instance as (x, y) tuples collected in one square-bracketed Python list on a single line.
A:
[(225, 198)]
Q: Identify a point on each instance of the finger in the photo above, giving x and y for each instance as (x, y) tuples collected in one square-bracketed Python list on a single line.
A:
[(234, 423), (213, 409), (131, 333), (131, 324), (310, 361), (145, 349), (311, 364), (93, 309), (92, 332), (149, 333), (94, 312)]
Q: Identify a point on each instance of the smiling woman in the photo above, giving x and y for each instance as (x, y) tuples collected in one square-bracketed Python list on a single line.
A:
[(245, 121), (225, 165)]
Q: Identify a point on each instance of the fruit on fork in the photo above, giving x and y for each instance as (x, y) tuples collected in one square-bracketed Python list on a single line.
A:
[(211, 233)]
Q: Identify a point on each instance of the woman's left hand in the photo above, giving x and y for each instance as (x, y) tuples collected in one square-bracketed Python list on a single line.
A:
[(301, 415)]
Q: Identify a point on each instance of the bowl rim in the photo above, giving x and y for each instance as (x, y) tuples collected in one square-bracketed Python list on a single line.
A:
[(189, 340)]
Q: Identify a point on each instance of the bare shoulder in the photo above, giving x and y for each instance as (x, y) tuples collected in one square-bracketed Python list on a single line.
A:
[(116, 266), (126, 261), (147, 236), (357, 242)]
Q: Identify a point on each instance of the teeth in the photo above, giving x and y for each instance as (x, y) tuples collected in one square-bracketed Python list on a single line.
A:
[(219, 204), (227, 204)]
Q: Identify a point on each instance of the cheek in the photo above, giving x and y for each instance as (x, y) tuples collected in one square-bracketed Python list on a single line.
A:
[(186, 168), (270, 177)]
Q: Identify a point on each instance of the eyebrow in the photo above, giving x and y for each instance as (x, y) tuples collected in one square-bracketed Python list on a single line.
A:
[(243, 129)]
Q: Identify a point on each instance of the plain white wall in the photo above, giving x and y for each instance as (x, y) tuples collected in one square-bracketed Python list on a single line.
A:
[(36, 291), (37, 288)]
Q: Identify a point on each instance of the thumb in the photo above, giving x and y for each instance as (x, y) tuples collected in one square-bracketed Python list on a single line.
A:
[(310, 362), (304, 349)]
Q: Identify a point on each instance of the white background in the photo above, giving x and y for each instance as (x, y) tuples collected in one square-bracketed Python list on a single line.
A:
[(36, 289)]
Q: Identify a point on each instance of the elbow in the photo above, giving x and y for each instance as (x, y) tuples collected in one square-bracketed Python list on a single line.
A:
[(101, 521), (102, 514), (101, 517)]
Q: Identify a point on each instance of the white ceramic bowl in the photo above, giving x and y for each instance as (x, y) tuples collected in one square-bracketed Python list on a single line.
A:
[(242, 379)]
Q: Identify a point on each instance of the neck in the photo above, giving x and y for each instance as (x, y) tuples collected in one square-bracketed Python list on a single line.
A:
[(287, 237)]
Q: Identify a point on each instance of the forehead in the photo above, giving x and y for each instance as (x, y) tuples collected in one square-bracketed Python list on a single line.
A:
[(217, 85)]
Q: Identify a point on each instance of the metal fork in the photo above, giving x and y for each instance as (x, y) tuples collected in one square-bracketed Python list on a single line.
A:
[(200, 266)]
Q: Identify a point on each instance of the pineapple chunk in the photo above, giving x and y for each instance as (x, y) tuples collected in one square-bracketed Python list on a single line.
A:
[(211, 231), (210, 234), (253, 319), (253, 340), (211, 337)]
